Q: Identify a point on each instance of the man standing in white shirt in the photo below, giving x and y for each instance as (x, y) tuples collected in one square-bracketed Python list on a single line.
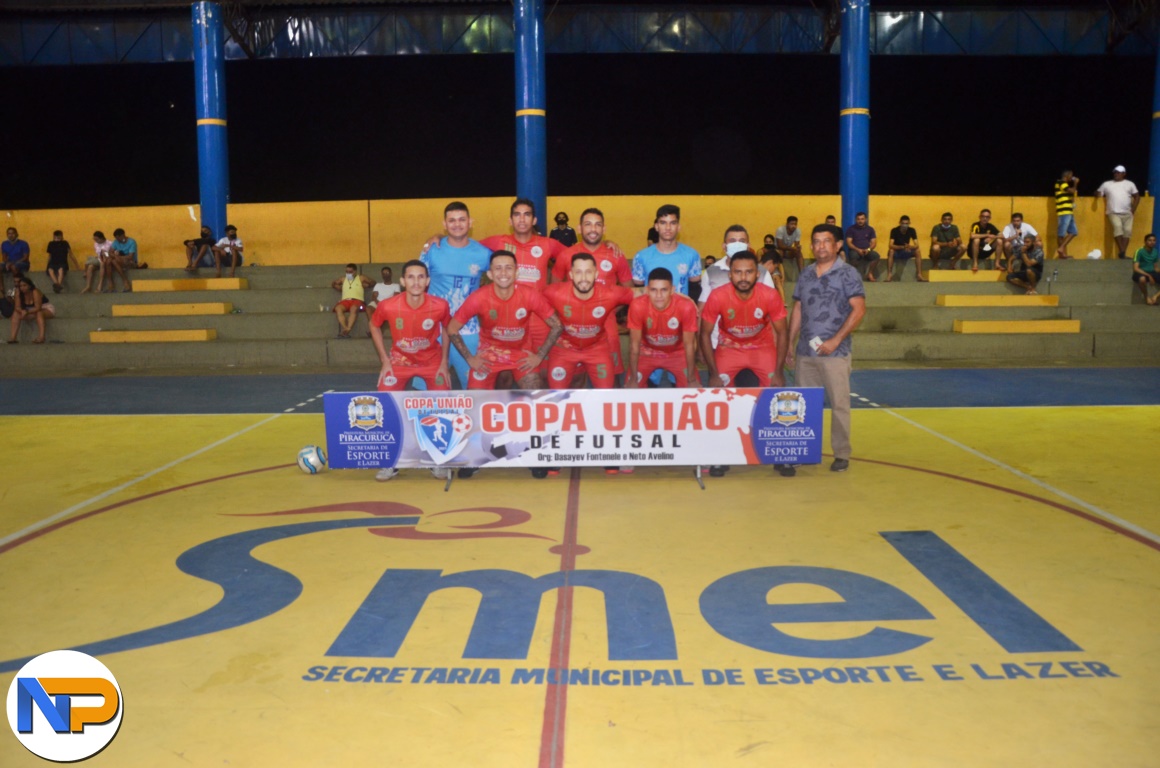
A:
[(1014, 236), (1120, 200)]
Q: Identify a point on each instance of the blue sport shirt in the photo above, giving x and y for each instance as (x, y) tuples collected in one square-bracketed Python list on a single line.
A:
[(455, 274), (683, 263)]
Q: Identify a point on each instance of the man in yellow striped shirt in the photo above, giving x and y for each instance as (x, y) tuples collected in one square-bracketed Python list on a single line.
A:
[(1065, 194)]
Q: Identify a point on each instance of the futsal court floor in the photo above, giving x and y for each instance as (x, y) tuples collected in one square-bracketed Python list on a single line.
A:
[(979, 589)]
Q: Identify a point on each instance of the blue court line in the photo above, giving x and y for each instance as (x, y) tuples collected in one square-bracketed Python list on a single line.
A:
[(167, 395), (1007, 387)]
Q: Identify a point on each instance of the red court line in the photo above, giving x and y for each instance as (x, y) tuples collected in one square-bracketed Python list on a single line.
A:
[(556, 698), (69, 521)]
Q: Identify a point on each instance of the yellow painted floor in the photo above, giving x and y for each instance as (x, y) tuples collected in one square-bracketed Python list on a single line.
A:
[(1051, 509)]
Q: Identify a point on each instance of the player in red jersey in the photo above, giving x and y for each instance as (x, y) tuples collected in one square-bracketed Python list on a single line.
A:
[(504, 309), (612, 268), (662, 329), (583, 307), (753, 330), (415, 320)]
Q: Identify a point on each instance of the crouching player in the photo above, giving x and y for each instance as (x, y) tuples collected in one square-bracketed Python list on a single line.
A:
[(583, 306), (662, 328), (504, 309), (753, 337), (415, 320)]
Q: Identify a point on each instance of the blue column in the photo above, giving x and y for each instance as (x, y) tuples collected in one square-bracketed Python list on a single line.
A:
[(1154, 160), (531, 117), (209, 74), (854, 111)]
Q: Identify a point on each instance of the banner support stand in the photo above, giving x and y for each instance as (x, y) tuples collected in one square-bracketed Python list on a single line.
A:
[(697, 475)]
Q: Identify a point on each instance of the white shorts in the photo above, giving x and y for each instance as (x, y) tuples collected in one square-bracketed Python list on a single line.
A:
[(1121, 224)]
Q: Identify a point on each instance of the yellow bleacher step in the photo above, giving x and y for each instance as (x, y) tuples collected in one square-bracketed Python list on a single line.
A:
[(135, 337), (192, 284), (962, 276), (1016, 326), (169, 310), (956, 300)]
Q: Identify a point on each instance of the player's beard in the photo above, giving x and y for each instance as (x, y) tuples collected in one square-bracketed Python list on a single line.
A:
[(744, 286)]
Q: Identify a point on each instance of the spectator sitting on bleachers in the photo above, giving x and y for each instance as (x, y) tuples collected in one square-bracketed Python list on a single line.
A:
[(788, 242), (353, 288), (60, 255), (98, 263), (196, 250), (384, 289), (1026, 265), (986, 241), (903, 244), (124, 258), (30, 305), (228, 250), (1014, 234), (1145, 270), (16, 256), (861, 242), (946, 242)]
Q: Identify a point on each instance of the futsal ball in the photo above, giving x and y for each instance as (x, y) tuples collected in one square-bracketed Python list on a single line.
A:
[(312, 460)]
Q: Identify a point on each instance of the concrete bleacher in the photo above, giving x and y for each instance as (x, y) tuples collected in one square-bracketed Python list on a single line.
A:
[(279, 318)]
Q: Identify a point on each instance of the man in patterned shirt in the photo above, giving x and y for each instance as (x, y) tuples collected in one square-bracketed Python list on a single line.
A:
[(829, 302), (1065, 194)]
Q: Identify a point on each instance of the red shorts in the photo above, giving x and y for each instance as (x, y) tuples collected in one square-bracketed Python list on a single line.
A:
[(499, 359), (673, 363), (731, 361), (401, 376), (354, 304), (564, 364)]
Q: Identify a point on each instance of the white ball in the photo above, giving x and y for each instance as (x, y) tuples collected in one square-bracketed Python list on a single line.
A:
[(1096, 254), (312, 460)]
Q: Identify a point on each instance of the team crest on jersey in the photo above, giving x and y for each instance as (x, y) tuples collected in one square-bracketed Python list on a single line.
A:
[(441, 434), (537, 251), (605, 265), (389, 380), (428, 324), (478, 375), (365, 412), (725, 379), (474, 269), (759, 313), (674, 323), (558, 373), (787, 409), (521, 313), (598, 312), (683, 269)]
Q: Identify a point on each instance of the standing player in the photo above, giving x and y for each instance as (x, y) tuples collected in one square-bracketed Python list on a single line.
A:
[(504, 309), (611, 269), (753, 333), (662, 329), (416, 320), (456, 264), (583, 307), (682, 261)]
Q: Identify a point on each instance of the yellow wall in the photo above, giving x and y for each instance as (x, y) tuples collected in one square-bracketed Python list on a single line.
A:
[(392, 231)]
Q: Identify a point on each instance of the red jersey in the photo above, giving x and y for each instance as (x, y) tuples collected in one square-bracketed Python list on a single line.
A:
[(532, 257), (610, 268), (662, 330), (504, 323), (744, 324), (584, 320), (414, 332)]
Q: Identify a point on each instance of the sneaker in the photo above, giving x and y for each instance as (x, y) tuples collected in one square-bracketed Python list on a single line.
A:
[(440, 473), (840, 465), (466, 472), (718, 471), (785, 470), (385, 474), (539, 473)]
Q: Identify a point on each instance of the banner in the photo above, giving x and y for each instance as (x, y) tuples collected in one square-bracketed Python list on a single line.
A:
[(575, 427)]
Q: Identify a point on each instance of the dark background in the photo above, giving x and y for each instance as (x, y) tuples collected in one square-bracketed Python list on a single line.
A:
[(443, 126)]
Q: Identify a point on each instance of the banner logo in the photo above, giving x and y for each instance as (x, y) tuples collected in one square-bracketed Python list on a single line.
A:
[(787, 409), (441, 434), (366, 412), (64, 706)]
